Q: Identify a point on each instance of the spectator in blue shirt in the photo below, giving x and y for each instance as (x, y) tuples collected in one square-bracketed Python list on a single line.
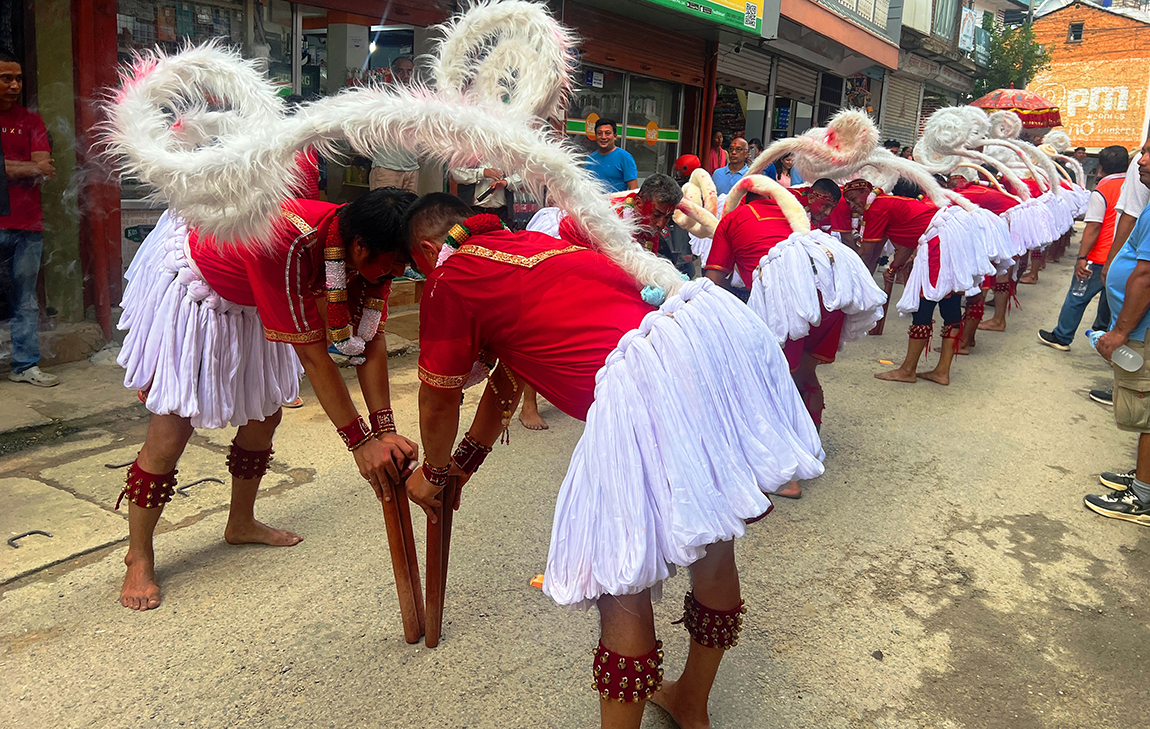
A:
[(614, 166), (1128, 290), (726, 177)]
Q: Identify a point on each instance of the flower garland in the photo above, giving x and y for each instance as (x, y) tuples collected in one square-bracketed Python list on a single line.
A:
[(460, 232), (338, 316)]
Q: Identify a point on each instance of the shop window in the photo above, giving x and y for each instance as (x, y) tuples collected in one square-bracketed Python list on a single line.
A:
[(599, 95), (830, 97), (1075, 33), (653, 124), (646, 110)]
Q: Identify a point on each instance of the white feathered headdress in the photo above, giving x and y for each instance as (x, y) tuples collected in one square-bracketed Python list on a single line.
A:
[(500, 67), (847, 148)]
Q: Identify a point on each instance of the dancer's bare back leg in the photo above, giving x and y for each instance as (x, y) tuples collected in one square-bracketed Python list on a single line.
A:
[(715, 582), (529, 415), (242, 527), (165, 442)]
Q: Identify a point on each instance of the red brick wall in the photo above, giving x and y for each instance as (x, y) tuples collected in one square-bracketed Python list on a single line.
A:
[(1101, 84)]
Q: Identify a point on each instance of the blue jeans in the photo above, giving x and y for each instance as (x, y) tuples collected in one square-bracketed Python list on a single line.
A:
[(1074, 307), (20, 252)]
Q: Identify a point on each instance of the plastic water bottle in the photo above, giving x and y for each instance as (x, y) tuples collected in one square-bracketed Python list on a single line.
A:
[(1124, 357), (1078, 288)]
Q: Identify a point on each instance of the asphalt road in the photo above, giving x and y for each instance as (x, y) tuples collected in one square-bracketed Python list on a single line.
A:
[(943, 573)]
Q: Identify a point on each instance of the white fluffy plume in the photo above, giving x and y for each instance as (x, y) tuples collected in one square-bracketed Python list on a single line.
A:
[(847, 148), (951, 137), (232, 187), (507, 53)]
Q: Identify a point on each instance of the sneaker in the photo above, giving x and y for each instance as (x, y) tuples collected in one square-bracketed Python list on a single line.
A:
[(1103, 397), (1120, 505), (1116, 481), (1048, 339), (35, 376)]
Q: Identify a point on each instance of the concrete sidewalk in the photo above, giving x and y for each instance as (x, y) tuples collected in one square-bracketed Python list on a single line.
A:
[(93, 390)]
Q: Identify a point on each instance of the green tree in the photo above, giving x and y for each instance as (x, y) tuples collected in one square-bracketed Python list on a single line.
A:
[(1015, 58)]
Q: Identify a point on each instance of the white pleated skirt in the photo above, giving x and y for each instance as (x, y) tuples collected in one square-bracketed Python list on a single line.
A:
[(789, 280), (198, 355), (963, 259), (695, 420)]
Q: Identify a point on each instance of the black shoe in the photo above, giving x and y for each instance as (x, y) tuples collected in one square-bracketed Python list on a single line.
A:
[(1103, 397), (1048, 339), (1116, 481), (1120, 505)]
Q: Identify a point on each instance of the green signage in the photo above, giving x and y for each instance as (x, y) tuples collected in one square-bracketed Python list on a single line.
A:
[(746, 15)]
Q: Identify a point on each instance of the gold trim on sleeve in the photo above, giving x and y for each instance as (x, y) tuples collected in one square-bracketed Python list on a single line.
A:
[(301, 225), (314, 335), (442, 382), (514, 260)]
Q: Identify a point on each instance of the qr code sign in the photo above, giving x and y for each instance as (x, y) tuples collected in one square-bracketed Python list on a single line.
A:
[(751, 16)]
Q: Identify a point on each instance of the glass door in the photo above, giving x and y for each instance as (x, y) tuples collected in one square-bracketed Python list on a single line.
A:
[(653, 109)]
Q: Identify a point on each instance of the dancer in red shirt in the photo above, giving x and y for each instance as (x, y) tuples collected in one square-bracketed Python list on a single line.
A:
[(997, 202), (904, 221), (665, 391), (218, 339)]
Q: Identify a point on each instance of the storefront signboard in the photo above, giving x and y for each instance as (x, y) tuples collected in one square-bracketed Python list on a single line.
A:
[(745, 15), (1102, 102)]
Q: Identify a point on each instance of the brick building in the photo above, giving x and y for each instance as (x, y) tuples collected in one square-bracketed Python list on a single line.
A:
[(1100, 74)]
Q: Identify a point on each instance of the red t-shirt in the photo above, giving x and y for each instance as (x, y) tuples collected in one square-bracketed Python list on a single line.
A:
[(840, 217), (1031, 185), (307, 167), (990, 198), (902, 220), (550, 310), (745, 235), (285, 280), (837, 221), (22, 132)]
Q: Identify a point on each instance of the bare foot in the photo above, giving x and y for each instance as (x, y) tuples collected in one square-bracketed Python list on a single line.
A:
[(1028, 279), (533, 421), (963, 349), (935, 377), (793, 490), (255, 532), (140, 591), (992, 325), (896, 376), (686, 717)]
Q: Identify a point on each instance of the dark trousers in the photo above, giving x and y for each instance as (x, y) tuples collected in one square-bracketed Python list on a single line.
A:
[(950, 308)]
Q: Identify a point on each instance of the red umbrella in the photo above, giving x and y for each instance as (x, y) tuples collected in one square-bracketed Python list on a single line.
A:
[(1034, 111)]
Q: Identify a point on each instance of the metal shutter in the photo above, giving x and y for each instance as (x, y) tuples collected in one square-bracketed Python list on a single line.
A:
[(931, 102), (900, 112), (796, 82), (749, 70)]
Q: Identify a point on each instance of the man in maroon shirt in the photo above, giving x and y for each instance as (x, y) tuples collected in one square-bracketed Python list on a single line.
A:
[(27, 162)]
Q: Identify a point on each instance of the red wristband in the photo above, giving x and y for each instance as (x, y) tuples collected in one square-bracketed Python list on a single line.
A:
[(354, 434), (382, 421), (469, 454), (436, 475)]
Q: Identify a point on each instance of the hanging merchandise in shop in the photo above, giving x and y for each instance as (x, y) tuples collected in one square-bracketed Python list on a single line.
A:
[(743, 14)]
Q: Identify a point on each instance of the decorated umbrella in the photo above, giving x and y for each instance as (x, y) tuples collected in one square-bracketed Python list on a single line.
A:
[(1034, 111)]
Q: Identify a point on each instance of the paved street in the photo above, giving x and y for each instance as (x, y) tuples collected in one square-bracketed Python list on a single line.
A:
[(943, 573)]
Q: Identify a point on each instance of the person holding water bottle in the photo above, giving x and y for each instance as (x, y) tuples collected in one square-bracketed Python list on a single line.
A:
[(1128, 293), (1093, 252)]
